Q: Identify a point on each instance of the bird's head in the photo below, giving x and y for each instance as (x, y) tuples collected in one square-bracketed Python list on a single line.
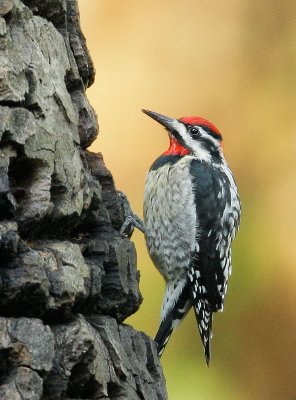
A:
[(191, 136)]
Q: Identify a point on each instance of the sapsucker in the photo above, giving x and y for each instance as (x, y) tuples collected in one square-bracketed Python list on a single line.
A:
[(191, 215)]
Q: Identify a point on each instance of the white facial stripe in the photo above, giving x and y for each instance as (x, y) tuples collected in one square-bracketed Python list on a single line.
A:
[(198, 150), (208, 137), (179, 127)]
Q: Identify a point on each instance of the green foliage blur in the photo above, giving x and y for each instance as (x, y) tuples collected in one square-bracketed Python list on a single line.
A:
[(233, 62)]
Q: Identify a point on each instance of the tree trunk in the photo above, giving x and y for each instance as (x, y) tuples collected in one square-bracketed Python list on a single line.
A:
[(67, 278)]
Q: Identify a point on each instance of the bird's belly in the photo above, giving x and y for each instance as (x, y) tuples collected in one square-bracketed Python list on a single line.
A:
[(170, 219)]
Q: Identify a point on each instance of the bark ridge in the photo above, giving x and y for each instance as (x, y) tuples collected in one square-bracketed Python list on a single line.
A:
[(67, 278)]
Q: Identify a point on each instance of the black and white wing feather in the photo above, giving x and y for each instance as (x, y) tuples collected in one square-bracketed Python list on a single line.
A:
[(218, 213)]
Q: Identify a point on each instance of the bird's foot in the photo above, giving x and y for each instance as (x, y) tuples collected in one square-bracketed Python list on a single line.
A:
[(131, 221)]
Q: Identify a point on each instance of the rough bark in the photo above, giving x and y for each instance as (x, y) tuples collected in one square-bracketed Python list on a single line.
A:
[(67, 278)]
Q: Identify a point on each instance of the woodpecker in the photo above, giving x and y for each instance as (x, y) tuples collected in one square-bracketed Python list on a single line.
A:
[(191, 215)]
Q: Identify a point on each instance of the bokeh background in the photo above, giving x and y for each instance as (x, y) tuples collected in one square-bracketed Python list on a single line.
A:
[(234, 62)]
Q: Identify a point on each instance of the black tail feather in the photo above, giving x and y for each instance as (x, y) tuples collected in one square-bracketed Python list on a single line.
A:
[(163, 334), (172, 318)]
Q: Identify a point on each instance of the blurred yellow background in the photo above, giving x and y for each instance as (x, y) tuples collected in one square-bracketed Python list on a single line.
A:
[(233, 62)]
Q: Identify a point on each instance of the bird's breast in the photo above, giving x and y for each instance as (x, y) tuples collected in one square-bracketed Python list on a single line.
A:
[(170, 217)]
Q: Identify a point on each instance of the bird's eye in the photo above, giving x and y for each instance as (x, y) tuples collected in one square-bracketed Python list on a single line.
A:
[(194, 132)]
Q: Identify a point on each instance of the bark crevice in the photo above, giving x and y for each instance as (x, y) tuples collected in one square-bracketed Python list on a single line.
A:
[(67, 278)]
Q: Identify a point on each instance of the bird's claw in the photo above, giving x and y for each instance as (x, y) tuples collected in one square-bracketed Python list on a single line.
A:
[(131, 221), (127, 227)]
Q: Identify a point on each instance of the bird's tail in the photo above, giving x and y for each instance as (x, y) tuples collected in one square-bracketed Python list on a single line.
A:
[(177, 301), (204, 319)]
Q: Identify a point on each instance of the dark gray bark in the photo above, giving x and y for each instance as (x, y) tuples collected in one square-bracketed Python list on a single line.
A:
[(67, 278)]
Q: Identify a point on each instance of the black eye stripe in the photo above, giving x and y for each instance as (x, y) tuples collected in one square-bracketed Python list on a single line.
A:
[(194, 132), (212, 133)]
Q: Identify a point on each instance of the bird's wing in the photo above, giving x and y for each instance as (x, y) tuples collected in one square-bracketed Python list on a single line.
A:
[(211, 263), (212, 256)]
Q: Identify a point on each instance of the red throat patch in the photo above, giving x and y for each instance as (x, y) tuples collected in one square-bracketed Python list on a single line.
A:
[(176, 149)]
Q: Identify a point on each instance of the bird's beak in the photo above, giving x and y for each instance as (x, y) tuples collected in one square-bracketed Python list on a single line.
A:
[(162, 119)]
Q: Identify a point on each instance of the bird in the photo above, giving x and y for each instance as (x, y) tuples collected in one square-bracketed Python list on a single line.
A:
[(191, 213)]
